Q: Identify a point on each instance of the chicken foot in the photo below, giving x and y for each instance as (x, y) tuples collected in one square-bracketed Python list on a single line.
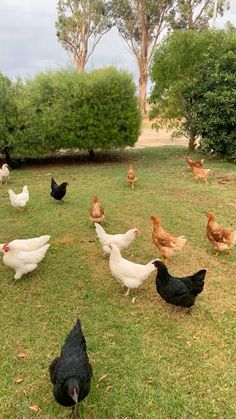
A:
[(74, 413)]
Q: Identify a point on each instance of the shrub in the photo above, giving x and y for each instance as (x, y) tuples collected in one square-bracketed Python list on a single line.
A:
[(213, 102), (8, 110), (180, 65), (65, 109)]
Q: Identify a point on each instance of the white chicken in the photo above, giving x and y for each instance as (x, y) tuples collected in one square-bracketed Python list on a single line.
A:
[(4, 173), (121, 240), (19, 200), (130, 274), (23, 256)]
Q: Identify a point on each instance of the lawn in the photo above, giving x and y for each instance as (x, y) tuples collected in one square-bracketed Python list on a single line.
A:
[(148, 362)]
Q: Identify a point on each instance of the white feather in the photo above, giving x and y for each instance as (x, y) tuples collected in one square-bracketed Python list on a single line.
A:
[(19, 200), (129, 273), (120, 240)]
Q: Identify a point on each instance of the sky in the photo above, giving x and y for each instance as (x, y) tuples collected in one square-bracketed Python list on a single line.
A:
[(28, 42)]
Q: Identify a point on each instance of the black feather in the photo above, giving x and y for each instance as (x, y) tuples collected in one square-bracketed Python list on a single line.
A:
[(178, 291), (72, 369), (58, 191)]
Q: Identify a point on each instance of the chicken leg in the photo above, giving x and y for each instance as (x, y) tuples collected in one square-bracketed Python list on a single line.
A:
[(74, 413)]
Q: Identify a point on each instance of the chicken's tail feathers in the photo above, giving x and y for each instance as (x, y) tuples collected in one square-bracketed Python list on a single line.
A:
[(75, 337), (180, 242), (39, 242), (53, 184), (41, 252)]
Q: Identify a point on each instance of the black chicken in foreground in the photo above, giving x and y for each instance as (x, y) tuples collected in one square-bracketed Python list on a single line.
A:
[(178, 291), (71, 372), (58, 191)]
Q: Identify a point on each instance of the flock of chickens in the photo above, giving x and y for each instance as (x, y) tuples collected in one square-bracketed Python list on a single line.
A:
[(71, 372)]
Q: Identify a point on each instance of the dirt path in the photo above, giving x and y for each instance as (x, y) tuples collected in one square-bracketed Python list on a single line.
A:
[(150, 138)]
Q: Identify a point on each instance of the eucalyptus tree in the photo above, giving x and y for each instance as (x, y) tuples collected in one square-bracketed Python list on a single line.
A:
[(195, 14), (140, 24), (80, 26)]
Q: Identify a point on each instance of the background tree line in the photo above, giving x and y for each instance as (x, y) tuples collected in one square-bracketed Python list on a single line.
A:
[(192, 72), (82, 23)]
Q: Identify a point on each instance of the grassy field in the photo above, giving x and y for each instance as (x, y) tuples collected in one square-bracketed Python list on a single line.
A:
[(148, 361)]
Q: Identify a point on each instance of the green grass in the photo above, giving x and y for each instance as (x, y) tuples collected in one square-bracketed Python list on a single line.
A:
[(159, 364)]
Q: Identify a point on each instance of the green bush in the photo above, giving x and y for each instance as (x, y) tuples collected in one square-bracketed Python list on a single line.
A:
[(65, 109), (185, 67), (213, 102), (8, 110)]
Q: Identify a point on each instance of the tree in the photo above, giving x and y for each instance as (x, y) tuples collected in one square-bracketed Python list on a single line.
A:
[(213, 102), (177, 63), (194, 14), (140, 23), (65, 109), (80, 26), (8, 110)]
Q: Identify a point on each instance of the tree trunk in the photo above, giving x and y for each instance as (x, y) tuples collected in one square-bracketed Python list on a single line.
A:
[(91, 154), (143, 93), (192, 144)]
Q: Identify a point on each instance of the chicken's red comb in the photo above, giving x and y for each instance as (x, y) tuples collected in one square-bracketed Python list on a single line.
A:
[(6, 247)]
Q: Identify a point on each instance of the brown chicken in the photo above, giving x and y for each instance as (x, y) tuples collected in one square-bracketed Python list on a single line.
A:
[(96, 212), (166, 244), (201, 173), (131, 176), (220, 238), (192, 163)]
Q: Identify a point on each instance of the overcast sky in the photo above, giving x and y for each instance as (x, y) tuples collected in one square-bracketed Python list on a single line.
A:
[(28, 42)]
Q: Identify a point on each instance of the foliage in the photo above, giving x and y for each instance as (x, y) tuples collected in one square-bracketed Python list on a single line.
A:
[(181, 59), (8, 111), (213, 101), (65, 109), (148, 362), (80, 26), (194, 14), (140, 24)]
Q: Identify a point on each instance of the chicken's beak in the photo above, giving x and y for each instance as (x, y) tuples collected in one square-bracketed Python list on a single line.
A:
[(74, 396)]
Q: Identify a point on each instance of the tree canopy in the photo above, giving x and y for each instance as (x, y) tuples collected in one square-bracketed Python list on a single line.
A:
[(140, 23), (195, 14), (180, 60), (80, 26)]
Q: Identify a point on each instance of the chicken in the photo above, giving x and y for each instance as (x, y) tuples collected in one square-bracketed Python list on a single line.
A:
[(19, 200), (178, 291), (71, 372), (130, 274), (96, 212), (192, 163), (4, 173), (28, 244), (23, 256), (166, 244), (121, 240), (131, 176), (58, 191), (220, 238), (201, 173)]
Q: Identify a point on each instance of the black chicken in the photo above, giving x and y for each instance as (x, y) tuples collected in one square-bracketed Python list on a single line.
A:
[(58, 191), (178, 291), (71, 372)]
